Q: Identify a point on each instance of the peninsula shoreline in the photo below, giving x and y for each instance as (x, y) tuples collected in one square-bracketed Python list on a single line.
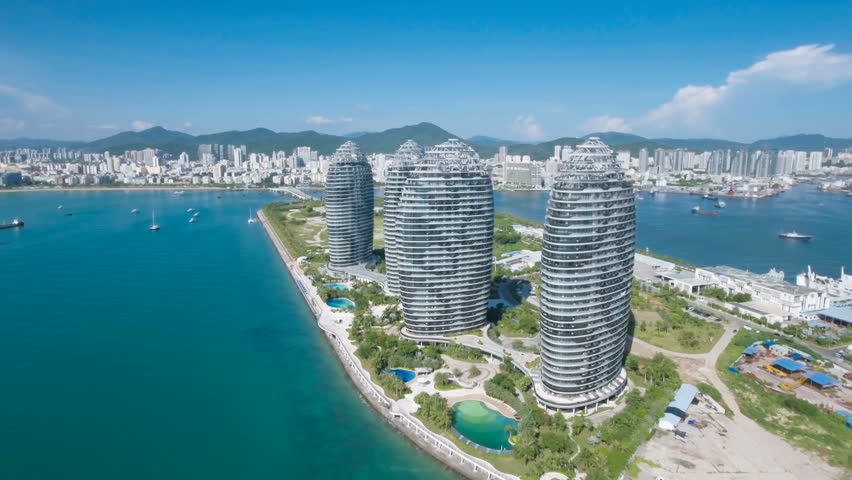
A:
[(440, 449)]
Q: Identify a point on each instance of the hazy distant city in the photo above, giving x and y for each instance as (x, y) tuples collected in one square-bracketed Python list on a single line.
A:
[(752, 172)]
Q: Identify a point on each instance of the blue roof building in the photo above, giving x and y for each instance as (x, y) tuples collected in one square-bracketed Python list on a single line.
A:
[(750, 351), (821, 380), (676, 411), (788, 365), (840, 315)]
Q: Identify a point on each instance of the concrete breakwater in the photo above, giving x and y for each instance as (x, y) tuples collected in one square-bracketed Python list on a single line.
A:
[(439, 447)]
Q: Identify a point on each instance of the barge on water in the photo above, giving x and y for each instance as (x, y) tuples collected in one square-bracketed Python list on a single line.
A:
[(16, 223)]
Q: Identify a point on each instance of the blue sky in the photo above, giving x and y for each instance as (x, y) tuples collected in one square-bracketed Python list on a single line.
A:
[(519, 70)]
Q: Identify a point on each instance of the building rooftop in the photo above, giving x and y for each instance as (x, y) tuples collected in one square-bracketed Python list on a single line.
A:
[(821, 379), (837, 314), (766, 280), (684, 277), (789, 365), (683, 397)]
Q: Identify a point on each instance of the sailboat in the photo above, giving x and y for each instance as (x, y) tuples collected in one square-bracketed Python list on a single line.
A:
[(251, 219), (154, 225)]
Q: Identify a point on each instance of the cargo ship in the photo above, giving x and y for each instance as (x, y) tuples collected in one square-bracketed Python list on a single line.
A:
[(16, 223)]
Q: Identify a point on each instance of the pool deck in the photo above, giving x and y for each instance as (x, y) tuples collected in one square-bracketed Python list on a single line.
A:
[(399, 414)]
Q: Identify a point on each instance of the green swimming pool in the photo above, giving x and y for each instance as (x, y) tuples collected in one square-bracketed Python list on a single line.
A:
[(343, 303), (483, 425)]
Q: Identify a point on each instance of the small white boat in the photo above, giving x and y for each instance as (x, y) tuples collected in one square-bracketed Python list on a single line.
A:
[(177, 192), (190, 210), (794, 235), (192, 219), (154, 225), (59, 207), (252, 219), (196, 214), (134, 211)]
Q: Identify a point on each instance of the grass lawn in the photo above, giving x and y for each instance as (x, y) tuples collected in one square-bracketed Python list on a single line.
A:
[(296, 231), (693, 337), (801, 423), (378, 232), (451, 386)]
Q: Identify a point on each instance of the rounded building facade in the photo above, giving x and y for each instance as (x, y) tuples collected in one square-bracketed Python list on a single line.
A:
[(349, 207), (401, 166), (586, 280), (444, 240)]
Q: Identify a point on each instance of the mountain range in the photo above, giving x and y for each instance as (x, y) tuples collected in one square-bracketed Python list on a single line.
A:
[(265, 140)]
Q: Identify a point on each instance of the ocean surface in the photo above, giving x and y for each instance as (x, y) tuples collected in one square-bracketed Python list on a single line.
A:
[(188, 353), (173, 355), (743, 235)]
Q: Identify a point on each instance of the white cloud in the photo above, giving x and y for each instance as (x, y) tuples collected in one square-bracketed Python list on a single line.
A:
[(528, 127), (141, 125), (364, 107), (9, 123), (346, 119), (806, 65), (187, 124), (106, 126), (606, 123), (317, 120), (33, 102)]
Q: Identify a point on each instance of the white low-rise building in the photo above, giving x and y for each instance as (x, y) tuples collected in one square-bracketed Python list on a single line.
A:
[(769, 289)]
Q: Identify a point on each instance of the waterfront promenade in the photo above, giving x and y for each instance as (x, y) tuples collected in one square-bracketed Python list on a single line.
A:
[(335, 325)]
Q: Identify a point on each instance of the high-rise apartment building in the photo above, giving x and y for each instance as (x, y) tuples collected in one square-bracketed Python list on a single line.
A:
[(349, 207), (643, 160), (586, 275), (444, 239), (401, 165)]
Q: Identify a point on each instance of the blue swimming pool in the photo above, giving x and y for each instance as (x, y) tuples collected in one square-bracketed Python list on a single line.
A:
[(404, 374), (337, 286), (343, 303)]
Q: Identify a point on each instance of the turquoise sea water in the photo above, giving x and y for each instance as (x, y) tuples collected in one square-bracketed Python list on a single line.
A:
[(743, 235), (172, 355), (483, 425)]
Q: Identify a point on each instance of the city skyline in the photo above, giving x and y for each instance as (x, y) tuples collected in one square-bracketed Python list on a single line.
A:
[(204, 71)]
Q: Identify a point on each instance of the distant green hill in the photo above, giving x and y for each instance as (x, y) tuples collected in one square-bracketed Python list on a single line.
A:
[(426, 134), (23, 142), (700, 144), (150, 137), (806, 142), (614, 139), (485, 140)]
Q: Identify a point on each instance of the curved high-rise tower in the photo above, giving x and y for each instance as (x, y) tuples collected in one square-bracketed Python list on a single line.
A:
[(586, 275), (349, 207), (403, 162), (444, 240)]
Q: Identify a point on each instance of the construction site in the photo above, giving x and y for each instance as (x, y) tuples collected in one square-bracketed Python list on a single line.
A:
[(785, 370)]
